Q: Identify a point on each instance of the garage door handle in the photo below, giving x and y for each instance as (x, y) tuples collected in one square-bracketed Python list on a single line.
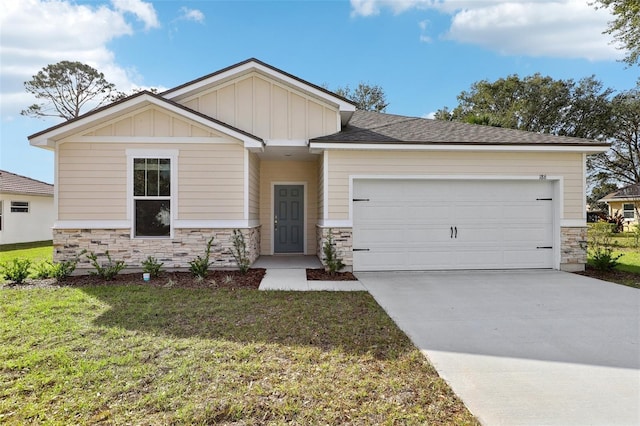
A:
[(451, 232), (456, 229)]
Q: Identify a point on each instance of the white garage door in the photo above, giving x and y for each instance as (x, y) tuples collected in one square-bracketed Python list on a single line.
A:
[(453, 224)]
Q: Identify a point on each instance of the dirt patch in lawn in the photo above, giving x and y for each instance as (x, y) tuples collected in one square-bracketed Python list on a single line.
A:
[(322, 275), (214, 279)]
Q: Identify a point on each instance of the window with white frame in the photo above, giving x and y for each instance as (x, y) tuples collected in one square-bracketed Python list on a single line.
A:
[(628, 211), (19, 207), (152, 197)]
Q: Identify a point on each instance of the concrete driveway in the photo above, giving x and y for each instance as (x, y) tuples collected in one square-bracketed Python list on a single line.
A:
[(524, 347)]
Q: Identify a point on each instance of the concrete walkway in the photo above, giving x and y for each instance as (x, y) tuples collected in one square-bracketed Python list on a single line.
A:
[(524, 347), (288, 273)]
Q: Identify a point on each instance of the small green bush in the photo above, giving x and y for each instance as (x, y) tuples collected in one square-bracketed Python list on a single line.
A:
[(333, 262), (239, 251), (63, 269), (603, 259), (107, 271), (600, 246), (16, 270), (42, 270), (199, 267), (151, 266)]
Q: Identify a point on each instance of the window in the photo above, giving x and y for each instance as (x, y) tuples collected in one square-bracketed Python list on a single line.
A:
[(19, 207), (152, 197), (628, 211)]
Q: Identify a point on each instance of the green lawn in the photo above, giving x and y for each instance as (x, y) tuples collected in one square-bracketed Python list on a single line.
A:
[(142, 355), (42, 250), (627, 271)]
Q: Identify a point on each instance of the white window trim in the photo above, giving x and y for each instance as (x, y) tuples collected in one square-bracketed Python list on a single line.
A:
[(632, 210), (172, 155)]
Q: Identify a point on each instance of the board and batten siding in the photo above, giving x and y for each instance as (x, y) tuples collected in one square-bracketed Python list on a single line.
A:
[(266, 108), (343, 164), (152, 121), (297, 172), (92, 180)]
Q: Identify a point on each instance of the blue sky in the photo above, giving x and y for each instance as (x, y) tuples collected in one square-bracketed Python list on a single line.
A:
[(422, 52)]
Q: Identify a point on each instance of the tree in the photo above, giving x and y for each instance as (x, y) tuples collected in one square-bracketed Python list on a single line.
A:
[(597, 193), (621, 162), (625, 28), (536, 104), (68, 88), (367, 97)]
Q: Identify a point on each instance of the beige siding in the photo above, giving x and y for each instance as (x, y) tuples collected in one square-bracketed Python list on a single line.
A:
[(321, 187), (266, 108), (211, 182), (152, 121), (254, 187), (92, 181), (288, 172), (342, 164)]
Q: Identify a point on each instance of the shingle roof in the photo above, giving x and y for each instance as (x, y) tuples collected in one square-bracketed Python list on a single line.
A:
[(374, 127), (17, 184), (626, 193)]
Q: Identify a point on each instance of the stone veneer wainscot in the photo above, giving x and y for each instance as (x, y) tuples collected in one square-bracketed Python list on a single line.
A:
[(174, 252)]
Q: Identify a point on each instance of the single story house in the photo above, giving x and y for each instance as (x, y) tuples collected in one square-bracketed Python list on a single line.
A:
[(26, 209), (254, 148), (625, 201)]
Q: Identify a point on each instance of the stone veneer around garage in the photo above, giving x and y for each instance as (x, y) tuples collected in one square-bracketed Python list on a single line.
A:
[(176, 252), (573, 246), (343, 240)]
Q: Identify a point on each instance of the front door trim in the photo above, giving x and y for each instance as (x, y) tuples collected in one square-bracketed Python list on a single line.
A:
[(271, 215)]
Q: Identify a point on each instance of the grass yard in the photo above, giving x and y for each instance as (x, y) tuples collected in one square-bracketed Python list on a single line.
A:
[(627, 272), (42, 250), (141, 355)]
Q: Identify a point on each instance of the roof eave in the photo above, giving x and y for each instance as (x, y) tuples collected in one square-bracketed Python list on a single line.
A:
[(319, 146), (345, 106), (48, 138)]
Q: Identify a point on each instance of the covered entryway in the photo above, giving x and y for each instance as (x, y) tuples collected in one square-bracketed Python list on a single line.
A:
[(417, 224)]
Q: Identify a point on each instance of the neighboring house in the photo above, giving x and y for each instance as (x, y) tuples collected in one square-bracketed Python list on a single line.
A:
[(254, 148), (27, 212), (625, 201)]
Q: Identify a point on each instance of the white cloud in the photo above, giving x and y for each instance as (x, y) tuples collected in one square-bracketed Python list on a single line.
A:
[(191, 15), (36, 33), (554, 28), (143, 11)]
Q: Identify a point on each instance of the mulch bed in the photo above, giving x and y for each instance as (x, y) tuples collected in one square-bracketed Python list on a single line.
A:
[(614, 275), (322, 275), (214, 279)]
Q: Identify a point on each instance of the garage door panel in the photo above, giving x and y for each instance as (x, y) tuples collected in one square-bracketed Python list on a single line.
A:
[(406, 225)]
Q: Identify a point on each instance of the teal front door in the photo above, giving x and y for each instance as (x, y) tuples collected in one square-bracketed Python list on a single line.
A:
[(288, 219)]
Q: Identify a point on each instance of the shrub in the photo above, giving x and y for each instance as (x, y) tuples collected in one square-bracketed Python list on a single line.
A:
[(107, 271), (152, 266), (17, 270), (600, 244), (62, 270), (239, 251), (333, 263), (199, 267), (42, 270), (635, 234)]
